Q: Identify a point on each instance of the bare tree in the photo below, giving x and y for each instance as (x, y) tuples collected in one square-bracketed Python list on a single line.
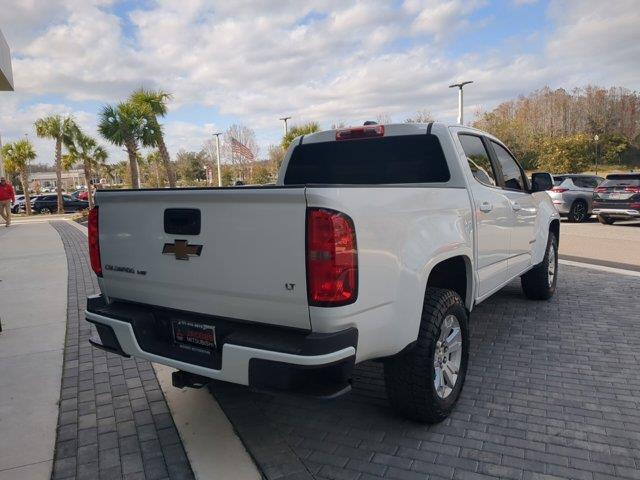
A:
[(247, 137), (421, 116), (384, 118), (211, 158)]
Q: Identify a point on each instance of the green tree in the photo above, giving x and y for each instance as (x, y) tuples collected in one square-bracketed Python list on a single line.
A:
[(17, 156), (154, 162), (567, 154), (154, 102), (275, 154), (190, 167), (612, 149), (228, 176), (261, 174), (84, 150), (125, 125), (298, 130), (122, 172), (56, 128)]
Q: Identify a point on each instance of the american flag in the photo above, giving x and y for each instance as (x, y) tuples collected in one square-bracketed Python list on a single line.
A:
[(240, 149)]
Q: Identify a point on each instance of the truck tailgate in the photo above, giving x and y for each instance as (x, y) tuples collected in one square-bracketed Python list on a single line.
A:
[(251, 265)]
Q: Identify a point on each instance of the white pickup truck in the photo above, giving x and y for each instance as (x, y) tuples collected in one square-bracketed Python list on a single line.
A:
[(375, 243)]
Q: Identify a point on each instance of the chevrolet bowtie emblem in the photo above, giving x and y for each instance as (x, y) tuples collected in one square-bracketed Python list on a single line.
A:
[(182, 250)]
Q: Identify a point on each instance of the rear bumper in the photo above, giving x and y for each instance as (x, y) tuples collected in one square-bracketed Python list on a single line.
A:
[(617, 212), (265, 357)]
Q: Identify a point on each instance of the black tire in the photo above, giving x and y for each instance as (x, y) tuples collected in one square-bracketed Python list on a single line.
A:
[(605, 220), (579, 212), (536, 283), (409, 376), (45, 210)]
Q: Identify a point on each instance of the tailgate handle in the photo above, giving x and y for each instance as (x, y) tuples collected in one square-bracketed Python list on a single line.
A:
[(182, 221)]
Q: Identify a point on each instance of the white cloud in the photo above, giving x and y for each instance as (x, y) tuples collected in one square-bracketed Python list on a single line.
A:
[(318, 60)]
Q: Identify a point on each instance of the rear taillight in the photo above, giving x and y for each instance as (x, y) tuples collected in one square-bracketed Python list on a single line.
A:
[(632, 189), (600, 190), (332, 258), (360, 132), (559, 190), (94, 242)]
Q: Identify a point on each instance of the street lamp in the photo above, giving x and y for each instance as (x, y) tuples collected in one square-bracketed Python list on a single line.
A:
[(460, 99), (286, 130), (217, 135), (596, 138)]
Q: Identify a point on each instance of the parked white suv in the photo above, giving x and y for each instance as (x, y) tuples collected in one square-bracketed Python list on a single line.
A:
[(572, 195), (376, 243)]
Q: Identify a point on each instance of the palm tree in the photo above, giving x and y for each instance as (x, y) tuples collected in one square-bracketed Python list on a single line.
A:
[(124, 125), (56, 128), (17, 156), (108, 171), (153, 161), (120, 171), (155, 103), (85, 150)]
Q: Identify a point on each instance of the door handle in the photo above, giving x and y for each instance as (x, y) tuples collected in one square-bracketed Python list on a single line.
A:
[(486, 207), (515, 206)]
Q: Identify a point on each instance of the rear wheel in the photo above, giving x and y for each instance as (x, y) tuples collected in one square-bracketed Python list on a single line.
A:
[(605, 220), (424, 382), (539, 283), (579, 211), (45, 210)]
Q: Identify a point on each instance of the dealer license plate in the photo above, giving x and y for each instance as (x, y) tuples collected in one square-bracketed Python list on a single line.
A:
[(194, 336)]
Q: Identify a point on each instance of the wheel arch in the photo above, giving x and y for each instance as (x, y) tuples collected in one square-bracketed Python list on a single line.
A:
[(453, 273), (554, 227)]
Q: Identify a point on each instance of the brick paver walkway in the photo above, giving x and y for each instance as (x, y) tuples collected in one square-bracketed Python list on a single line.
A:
[(552, 392), (114, 421)]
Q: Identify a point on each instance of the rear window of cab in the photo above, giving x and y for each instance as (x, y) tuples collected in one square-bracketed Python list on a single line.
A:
[(370, 161), (621, 181)]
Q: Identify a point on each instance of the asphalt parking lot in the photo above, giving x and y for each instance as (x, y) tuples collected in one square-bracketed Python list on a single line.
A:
[(616, 245)]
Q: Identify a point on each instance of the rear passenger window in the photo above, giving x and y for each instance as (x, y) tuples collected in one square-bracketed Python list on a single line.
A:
[(510, 170), (478, 159), (581, 182)]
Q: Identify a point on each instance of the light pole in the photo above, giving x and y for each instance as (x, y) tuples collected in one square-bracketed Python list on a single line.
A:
[(596, 138), (460, 99), (286, 130), (217, 135)]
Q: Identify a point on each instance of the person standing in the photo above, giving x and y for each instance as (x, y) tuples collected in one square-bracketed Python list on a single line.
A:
[(7, 197)]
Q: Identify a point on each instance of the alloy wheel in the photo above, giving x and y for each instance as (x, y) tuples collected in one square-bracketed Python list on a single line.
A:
[(447, 357), (551, 272)]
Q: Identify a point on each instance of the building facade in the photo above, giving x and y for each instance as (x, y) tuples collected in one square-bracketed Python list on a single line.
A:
[(71, 180), (6, 79)]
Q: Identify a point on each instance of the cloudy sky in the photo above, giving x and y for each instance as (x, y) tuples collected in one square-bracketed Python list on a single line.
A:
[(252, 62)]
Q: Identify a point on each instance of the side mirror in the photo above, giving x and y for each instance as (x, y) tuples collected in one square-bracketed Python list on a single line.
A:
[(541, 181)]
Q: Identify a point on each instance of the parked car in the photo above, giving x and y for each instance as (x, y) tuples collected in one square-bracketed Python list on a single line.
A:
[(18, 204), (376, 243), (572, 195), (81, 194), (617, 198), (49, 204)]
